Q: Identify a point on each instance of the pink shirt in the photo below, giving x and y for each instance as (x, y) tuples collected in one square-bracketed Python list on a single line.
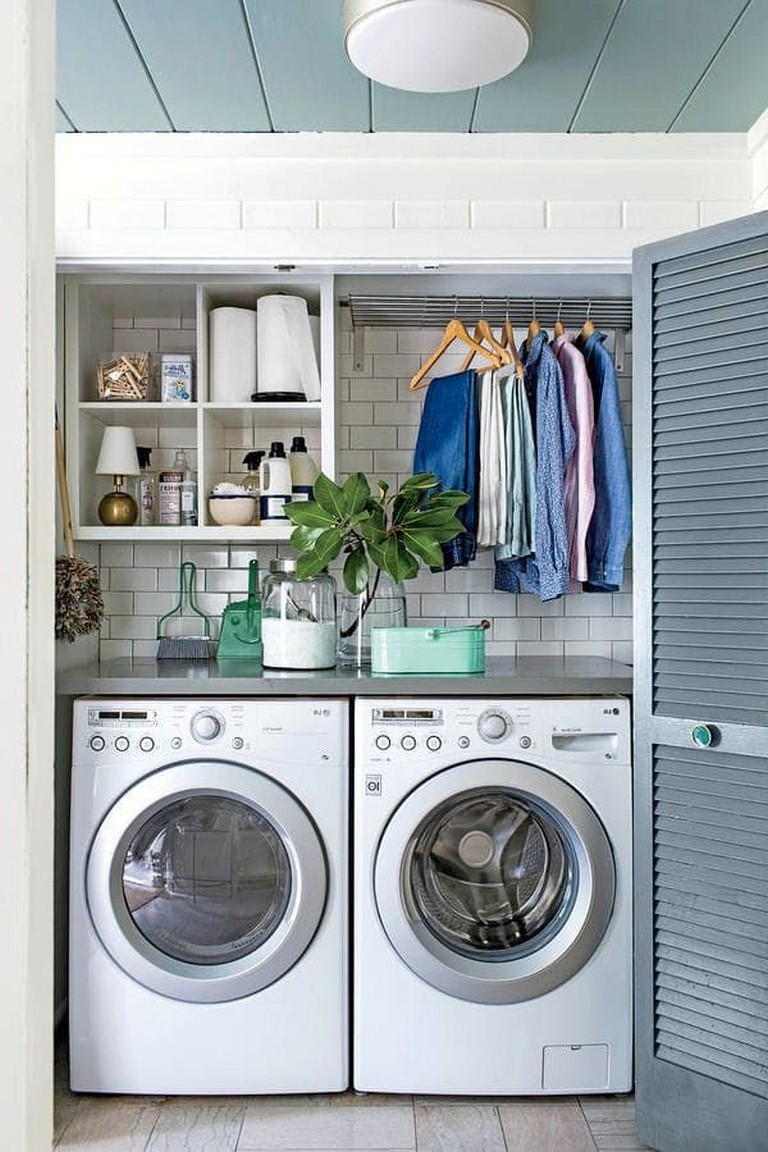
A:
[(579, 473)]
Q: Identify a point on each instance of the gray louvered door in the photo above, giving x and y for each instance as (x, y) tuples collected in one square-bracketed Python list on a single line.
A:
[(701, 643)]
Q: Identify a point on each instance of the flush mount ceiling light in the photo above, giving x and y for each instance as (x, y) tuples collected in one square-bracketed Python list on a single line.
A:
[(436, 45)]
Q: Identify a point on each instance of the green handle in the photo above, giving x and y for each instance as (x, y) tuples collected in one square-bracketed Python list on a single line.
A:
[(187, 576)]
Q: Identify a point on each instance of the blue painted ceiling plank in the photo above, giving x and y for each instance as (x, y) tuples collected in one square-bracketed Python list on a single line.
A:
[(100, 79)]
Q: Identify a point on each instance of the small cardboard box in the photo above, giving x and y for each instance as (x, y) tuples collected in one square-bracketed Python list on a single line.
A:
[(176, 378)]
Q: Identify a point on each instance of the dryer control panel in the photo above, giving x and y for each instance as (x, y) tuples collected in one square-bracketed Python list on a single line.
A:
[(580, 729)]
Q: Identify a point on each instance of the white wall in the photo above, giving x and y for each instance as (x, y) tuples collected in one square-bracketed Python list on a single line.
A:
[(26, 574), (757, 143), (396, 200)]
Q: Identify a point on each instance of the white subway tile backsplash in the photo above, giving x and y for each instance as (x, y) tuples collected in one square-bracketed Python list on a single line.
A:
[(669, 216), (507, 214), (377, 421), (203, 214), (583, 214), (431, 214), (356, 214), (126, 214), (279, 214)]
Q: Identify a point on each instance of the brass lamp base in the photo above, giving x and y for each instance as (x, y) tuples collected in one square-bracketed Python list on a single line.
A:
[(118, 510)]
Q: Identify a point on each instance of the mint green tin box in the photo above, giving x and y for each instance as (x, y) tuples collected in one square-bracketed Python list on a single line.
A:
[(452, 651)]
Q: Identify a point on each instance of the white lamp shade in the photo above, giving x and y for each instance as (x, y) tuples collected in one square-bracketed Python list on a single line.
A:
[(118, 455), (436, 45)]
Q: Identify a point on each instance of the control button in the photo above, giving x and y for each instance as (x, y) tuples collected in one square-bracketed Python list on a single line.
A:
[(705, 735), (176, 742), (206, 726), (408, 743), (434, 743), (494, 726), (97, 743), (238, 743), (146, 743), (525, 741), (383, 742), (122, 744), (463, 741)]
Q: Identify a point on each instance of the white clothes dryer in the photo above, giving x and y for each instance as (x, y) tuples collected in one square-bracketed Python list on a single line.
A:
[(492, 896), (208, 892)]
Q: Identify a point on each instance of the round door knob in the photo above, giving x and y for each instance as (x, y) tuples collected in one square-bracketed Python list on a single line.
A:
[(206, 726), (705, 735), (122, 744), (408, 743), (494, 726)]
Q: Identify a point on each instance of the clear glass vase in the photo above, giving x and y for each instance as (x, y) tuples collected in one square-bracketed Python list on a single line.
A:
[(382, 605)]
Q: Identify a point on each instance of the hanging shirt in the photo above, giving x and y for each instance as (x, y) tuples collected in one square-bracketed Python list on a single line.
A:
[(546, 573), (492, 460), (611, 524), (447, 444), (521, 467), (579, 484)]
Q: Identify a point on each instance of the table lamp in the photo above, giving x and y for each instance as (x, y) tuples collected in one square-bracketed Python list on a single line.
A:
[(118, 458)]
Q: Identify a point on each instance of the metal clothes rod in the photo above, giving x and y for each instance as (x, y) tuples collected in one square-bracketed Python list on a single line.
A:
[(435, 311)]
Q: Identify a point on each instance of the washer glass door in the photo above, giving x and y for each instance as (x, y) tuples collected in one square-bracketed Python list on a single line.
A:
[(206, 881), (494, 881)]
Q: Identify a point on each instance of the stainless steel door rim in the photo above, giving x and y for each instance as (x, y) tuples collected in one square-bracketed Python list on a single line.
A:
[(581, 910), (272, 956)]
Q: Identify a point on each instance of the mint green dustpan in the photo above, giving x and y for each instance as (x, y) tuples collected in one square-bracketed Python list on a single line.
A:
[(240, 636)]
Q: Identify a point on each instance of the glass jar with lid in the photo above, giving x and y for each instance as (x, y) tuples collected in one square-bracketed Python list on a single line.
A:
[(298, 618)]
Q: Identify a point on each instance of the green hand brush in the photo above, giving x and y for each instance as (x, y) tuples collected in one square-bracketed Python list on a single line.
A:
[(185, 647)]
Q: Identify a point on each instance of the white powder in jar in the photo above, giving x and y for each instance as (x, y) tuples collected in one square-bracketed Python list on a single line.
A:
[(298, 643)]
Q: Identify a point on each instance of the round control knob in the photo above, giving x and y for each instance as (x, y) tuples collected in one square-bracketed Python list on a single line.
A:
[(238, 743), (463, 741), (122, 744), (383, 742), (525, 741), (206, 726), (434, 743), (494, 726), (146, 743), (408, 743), (97, 743), (705, 735)]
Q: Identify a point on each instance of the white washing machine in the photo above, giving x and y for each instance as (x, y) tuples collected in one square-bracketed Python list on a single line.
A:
[(208, 893), (492, 896)]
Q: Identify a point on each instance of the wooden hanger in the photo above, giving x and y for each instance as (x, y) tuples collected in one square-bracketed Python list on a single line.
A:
[(533, 330), (588, 327), (559, 329), (508, 341), (483, 332), (454, 330)]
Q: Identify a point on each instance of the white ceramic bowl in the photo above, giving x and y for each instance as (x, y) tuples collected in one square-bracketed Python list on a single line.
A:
[(230, 510)]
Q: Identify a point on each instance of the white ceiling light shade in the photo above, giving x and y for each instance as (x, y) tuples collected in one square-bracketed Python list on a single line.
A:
[(437, 45)]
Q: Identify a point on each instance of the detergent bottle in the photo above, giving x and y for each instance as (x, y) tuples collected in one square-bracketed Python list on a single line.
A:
[(275, 483)]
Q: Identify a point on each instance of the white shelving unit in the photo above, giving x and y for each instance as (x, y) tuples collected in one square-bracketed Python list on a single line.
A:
[(107, 313)]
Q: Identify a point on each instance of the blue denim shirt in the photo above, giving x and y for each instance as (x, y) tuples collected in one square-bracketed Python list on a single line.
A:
[(447, 444), (545, 574), (611, 524)]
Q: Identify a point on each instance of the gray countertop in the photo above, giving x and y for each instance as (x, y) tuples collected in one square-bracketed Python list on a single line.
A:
[(528, 676)]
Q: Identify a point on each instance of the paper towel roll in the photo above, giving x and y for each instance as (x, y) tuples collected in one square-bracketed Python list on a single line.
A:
[(286, 358), (232, 354)]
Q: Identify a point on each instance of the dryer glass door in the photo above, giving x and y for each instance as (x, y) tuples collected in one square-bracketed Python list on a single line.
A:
[(490, 874), (207, 881), (494, 881)]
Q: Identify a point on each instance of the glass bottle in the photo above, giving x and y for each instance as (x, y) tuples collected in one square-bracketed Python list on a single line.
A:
[(188, 489), (298, 618), (146, 488)]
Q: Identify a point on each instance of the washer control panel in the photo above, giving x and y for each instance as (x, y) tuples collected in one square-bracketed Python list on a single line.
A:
[(441, 732)]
